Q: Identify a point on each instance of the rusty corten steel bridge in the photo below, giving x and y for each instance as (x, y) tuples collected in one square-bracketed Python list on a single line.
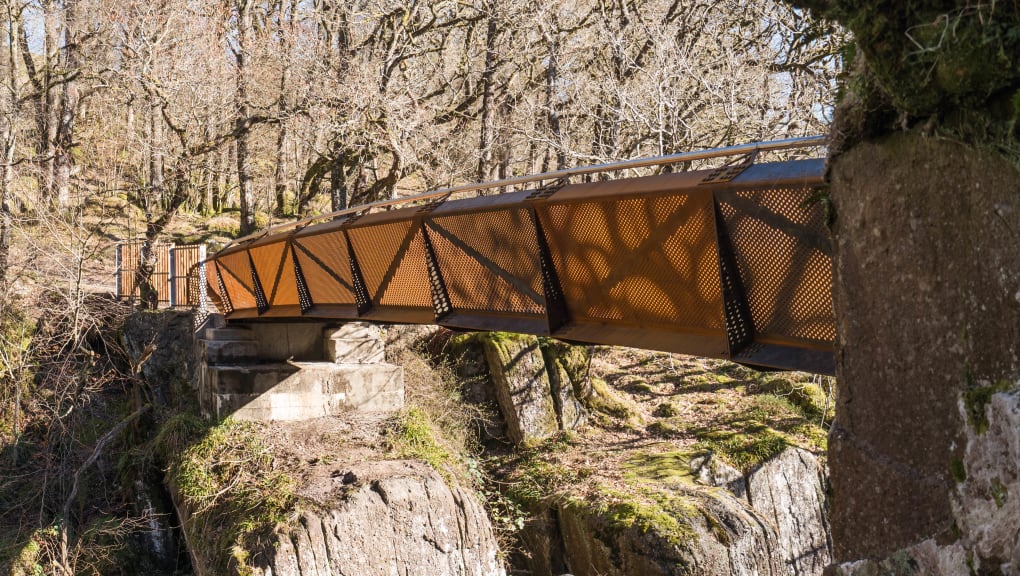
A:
[(732, 262)]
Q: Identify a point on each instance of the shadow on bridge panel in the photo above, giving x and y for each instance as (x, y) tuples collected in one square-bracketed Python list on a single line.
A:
[(706, 263)]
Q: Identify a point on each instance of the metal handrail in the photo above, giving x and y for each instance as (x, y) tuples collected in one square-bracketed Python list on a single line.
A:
[(784, 144)]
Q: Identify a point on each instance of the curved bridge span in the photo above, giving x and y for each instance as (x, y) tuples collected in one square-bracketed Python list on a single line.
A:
[(733, 262)]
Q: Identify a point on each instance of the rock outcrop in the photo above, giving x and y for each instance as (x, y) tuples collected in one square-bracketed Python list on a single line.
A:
[(389, 518), (788, 492), (523, 390), (985, 501), (702, 533)]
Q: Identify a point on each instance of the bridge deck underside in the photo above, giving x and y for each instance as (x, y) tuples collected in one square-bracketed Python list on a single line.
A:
[(677, 262)]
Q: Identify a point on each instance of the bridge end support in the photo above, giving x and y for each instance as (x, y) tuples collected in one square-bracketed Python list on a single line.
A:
[(295, 371)]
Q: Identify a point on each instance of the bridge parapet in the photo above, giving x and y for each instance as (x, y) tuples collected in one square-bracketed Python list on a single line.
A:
[(733, 262)]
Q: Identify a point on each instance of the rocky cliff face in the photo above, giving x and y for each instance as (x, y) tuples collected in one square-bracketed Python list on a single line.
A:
[(985, 500), (704, 525), (389, 518)]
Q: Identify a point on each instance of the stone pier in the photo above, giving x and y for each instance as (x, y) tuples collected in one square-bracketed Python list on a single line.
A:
[(295, 371)]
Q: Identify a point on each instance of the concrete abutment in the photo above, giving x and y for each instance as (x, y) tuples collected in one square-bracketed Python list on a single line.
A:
[(294, 371)]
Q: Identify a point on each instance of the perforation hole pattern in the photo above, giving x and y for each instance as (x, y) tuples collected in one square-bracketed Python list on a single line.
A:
[(286, 291), (267, 259), (392, 278), (237, 283), (783, 253), (496, 266), (646, 261), (324, 260)]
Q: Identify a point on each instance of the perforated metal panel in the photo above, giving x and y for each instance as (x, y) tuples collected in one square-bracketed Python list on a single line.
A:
[(326, 266), (784, 256), (236, 274), (392, 259), (489, 261), (269, 261), (646, 261), (681, 262)]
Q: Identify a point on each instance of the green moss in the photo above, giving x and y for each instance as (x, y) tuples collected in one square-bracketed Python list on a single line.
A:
[(667, 516), (666, 410), (976, 398), (228, 480), (573, 360), (957, 470), (999, 493), (808, 397), (605, 400), (745, 449), (415, 436), (666, 429), (660, 469)]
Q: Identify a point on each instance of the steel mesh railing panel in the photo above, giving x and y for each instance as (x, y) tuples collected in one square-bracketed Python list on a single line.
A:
[(236, 274), (275, 269), (783, 253), (326, 266), (489, 261), (649, 261), (392, 259), (285, 293)]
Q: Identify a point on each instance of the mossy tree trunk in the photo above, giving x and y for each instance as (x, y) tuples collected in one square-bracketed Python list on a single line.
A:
[(926, 191)]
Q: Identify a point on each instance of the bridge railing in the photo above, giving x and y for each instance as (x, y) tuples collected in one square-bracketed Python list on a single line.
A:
[(733, 262)]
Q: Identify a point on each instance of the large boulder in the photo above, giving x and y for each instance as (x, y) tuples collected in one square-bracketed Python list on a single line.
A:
[(389, 517), (697, 532)]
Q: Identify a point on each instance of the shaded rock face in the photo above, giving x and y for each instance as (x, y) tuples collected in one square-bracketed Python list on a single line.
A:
[(523, 390), (771, 522), (788, 492), (722, 537), (985, 503), (162, 343), (927, 303), (389, 518)]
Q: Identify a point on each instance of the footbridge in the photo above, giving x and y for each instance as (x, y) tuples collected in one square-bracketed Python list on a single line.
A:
[(732, 261)]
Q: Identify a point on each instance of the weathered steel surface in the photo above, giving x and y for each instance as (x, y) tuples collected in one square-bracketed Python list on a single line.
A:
[(727, 264)]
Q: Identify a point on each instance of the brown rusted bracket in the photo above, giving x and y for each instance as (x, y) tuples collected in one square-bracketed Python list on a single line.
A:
[(547, 190), (441, 304), (555, 303), (223, 289), (361, 297)]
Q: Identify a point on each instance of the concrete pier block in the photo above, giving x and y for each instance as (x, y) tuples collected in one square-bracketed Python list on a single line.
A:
[(228, 351), (355, 343)]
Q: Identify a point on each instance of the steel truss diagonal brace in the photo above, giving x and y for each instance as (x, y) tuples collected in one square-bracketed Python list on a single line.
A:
[(361, 297), (555, 304), (736, 309), (441, 304)]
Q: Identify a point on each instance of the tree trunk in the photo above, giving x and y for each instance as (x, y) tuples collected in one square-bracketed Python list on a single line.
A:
[(487, 129), (63, 159), (11, 109), (244, 185), (552, 103), (156, 185), (281, 181), (48, 122)]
